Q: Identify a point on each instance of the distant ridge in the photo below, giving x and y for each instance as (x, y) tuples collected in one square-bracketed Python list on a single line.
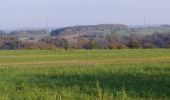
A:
[(89, 29)]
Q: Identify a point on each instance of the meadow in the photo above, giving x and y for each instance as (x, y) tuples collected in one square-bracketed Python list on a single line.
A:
[(85, 74)]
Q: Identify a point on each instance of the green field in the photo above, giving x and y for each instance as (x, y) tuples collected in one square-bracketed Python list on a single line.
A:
[(85, 75)]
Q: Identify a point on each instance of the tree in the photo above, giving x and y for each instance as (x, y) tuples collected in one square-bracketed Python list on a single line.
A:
[(63, 43), (92, 44), (134, 44), (168, 44)]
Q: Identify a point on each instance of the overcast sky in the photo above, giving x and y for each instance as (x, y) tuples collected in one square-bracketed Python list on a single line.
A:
[(59, 13)]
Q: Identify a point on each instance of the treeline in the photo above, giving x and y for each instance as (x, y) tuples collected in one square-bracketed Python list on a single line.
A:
[(134, 41), (13, 43), (113, 41)]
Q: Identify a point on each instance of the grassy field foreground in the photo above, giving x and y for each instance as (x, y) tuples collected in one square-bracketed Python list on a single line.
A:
[(85, 75)]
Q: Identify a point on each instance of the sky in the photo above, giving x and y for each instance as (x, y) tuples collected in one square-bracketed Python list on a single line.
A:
[(61, 13)]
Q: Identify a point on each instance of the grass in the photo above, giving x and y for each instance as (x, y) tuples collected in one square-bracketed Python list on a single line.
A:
[(80, 74)]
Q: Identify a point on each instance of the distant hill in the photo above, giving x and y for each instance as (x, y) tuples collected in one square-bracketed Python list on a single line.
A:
[(89, 29), (26, 32)]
